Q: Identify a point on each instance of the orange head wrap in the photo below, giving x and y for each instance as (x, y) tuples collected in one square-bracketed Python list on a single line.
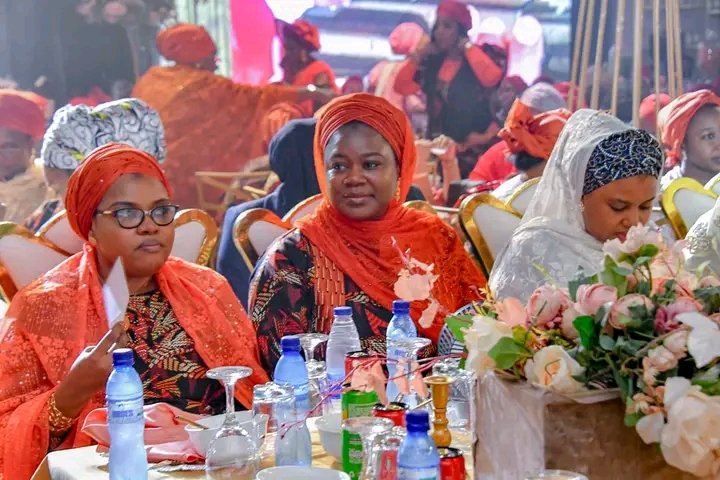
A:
[(405, 38), (536, 134), (456, 11), (89, 183), (20, 113), (276, 118), (382, 116), (674, 119), (647, 106), (301, 30), (186, 44)]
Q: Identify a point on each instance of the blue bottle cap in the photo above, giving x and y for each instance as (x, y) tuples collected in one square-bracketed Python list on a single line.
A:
[(123, 357), (343, 311), (401, 307), (418, 421), (290, 343)]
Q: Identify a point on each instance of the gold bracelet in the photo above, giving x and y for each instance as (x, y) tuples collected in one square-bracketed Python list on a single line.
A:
[(59, 422)]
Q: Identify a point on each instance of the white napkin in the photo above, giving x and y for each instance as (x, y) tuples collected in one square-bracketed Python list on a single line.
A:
[(116, 294)]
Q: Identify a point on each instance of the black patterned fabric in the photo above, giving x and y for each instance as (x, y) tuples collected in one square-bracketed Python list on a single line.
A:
[(623, 155)]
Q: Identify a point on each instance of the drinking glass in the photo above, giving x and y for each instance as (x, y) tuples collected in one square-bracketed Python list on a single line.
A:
[(461, 407), (368, 428), (557, 475), (317, 372), (271, 401), (232, 455), (385, 452), (411, 347)]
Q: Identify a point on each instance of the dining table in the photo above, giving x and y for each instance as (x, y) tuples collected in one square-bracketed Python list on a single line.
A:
[(88, 464)]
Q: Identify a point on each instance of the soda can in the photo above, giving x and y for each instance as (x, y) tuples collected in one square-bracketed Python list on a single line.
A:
[(394, 411), (351, 356), (355, 404), (452, 464)]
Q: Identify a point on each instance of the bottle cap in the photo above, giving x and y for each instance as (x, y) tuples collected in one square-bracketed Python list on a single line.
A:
[(290, 343), (417, 421), (401, 307), (123, 357), (343, 311)]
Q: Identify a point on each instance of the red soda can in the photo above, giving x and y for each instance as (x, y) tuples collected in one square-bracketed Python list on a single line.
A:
[(395, 411), (353, 356), (452, 464)]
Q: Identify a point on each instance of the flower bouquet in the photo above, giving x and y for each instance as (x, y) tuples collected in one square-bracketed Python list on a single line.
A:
[(643, 329)]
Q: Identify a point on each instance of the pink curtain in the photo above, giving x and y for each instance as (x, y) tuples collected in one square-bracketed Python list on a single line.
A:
[(253, 29)]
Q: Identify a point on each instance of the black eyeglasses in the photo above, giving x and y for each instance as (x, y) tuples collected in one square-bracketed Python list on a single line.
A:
[(134, 217)]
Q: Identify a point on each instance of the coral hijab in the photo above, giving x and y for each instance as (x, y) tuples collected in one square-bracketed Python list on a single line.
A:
[(364, 250), (674, 120)]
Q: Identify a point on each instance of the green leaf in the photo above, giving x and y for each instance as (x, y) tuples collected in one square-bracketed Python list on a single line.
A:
[(585, 326), (622, 271), (607, 343), (457, 324), (632, 419), (507, 352), (640, 261), (520, 334), (648, 250)]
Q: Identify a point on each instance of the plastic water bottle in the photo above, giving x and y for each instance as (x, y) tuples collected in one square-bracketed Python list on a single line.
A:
[(293, 445), (291, 370), (418, 458), (126, 423), (343, 338), (401, 327)]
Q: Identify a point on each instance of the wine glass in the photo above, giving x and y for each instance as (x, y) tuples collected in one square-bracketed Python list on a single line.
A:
[(317, 373), (232, 454), (368, 428), (410, 346)]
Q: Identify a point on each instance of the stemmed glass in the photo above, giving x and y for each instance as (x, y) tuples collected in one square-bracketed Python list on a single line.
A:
[(411, 347), (368, 428), (317, 373), (232, 454)]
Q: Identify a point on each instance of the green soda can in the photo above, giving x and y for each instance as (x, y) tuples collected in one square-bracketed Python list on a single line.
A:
[(355, 404)]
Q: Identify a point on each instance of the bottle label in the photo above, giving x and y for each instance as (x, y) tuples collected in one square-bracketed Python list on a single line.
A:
[(408, 473), (125, 411), (388, 465), (352, 454)]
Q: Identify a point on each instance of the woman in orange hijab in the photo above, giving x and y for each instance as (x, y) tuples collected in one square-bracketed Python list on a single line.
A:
[(55, 343), (690, 132), (352, 250)]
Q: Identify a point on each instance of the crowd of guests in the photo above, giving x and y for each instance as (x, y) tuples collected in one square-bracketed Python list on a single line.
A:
[(121, 170)]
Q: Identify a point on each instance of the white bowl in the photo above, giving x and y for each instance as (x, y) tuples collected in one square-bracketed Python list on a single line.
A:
[(330, 428), (200, 439), (301, 473)]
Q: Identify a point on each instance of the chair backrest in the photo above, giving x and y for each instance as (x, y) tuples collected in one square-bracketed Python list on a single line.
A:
[(24, 257), (254, 231), (57, 230), (230, 187), (489, 223), (196, 235), (714, 185), (303, 209), (421, 205), (684, 201), (521, 197)]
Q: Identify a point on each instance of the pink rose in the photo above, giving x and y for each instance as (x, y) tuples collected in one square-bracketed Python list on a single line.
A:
[(621, 308), (710, 281), (677, 342), (662, 359), (512, 312), (591, 297), (567, 327), (665, 317), (546, 305)]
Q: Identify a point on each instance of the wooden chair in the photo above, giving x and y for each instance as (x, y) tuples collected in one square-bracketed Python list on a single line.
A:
[(229, 187), (489, 224), (684, 201), (24, 257), (196, 235), (254, 231), (521, 197)]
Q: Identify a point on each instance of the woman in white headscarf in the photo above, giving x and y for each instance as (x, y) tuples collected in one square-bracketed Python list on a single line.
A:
[(703, 242), (601, 179), (77, 130)]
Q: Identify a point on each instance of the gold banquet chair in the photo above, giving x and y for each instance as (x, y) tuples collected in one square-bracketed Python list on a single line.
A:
[(254, 231), (196, 235), (57, 231), (714, 185), (489, 224), (303, 209), (521, 197), (24, 257), (684, 201), (421, 205)]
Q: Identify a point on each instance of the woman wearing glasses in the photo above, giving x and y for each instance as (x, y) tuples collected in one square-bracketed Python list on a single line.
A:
[(55, 342)]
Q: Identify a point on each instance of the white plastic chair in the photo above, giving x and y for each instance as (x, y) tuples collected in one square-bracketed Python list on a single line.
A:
[(684, 201)]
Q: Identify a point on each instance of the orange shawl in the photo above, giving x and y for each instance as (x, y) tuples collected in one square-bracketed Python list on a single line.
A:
[(534, 134), (54, 318), (211, 124), (364, 250), (674, 119)]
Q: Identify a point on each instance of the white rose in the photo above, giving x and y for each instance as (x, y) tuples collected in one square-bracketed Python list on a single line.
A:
[(662, 359), (690, 440), (480, 338), (676, 342), (554, 368)]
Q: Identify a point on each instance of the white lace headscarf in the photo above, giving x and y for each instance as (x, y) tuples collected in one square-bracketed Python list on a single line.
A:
[(551, 243), (77, 130), (703, 242)]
